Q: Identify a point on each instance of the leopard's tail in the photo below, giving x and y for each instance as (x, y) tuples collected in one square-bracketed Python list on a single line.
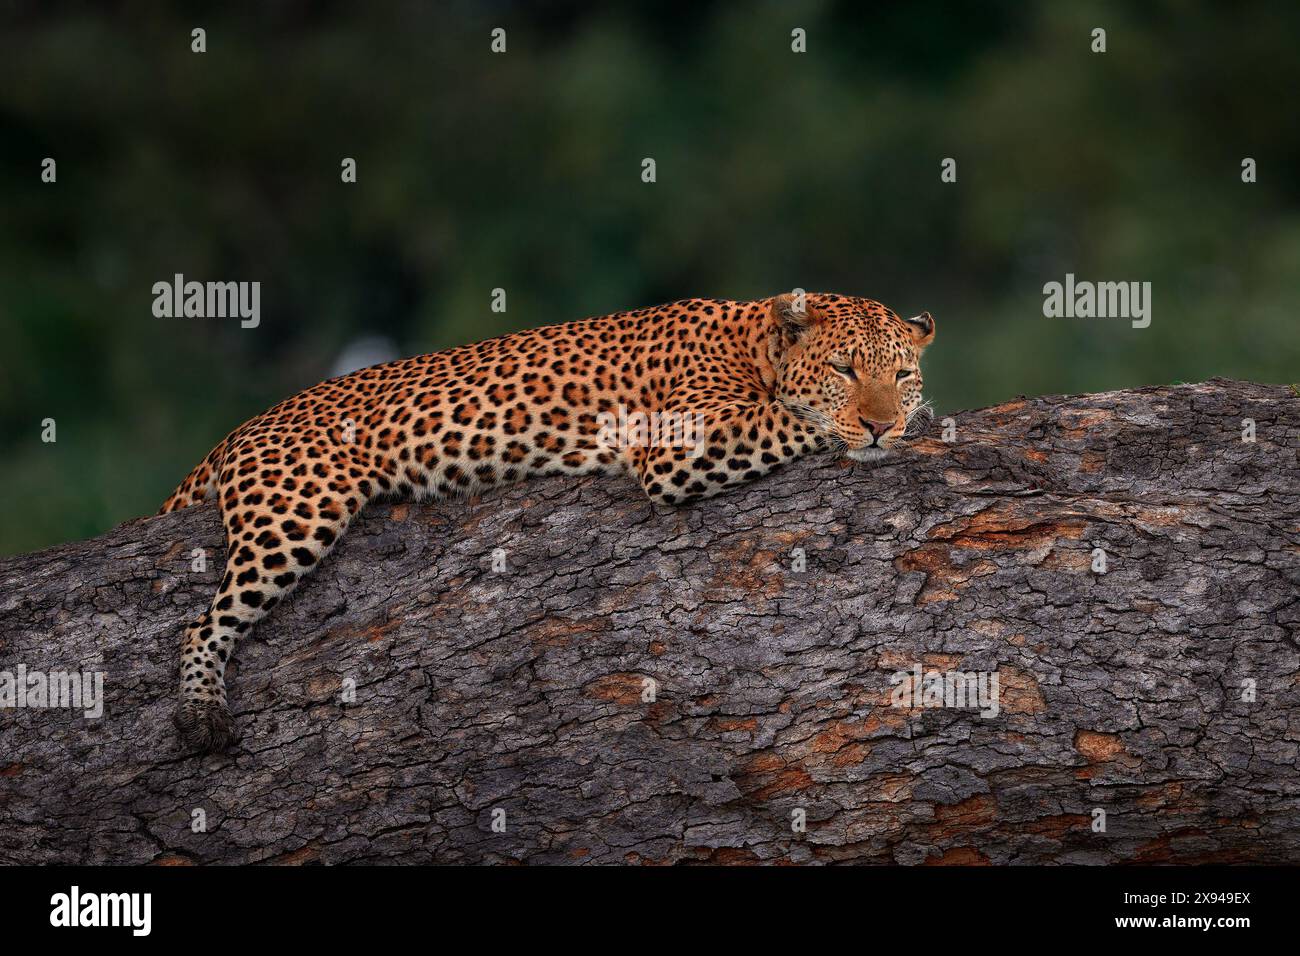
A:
[(198, 483)]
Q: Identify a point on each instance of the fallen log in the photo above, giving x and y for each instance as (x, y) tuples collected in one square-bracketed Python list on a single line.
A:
[(561, 672)]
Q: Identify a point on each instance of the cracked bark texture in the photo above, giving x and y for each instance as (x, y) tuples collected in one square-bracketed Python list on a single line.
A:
[(522, 690)]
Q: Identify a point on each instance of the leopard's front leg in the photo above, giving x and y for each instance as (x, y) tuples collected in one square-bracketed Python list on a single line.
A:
[(730, 445)]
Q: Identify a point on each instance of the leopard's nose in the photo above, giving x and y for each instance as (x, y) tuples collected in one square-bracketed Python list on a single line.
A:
[(877, 428)]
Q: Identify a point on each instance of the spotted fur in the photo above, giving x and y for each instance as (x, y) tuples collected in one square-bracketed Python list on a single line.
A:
[(770, 380)]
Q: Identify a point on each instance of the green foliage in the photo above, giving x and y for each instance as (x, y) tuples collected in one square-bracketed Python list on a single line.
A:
[(522, 171)]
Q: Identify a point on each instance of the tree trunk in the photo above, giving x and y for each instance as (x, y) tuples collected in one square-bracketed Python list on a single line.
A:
[(720, 683)]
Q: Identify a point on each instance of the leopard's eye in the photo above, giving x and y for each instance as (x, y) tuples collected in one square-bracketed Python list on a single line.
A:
[(845, 370), (905, 373)]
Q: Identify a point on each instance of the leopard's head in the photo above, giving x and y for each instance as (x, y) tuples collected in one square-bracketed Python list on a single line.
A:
[(851, 368)]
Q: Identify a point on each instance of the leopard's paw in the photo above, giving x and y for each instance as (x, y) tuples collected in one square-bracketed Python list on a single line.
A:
[(204, 725)]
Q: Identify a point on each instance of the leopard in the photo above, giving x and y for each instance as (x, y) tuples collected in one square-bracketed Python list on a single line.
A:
[(761, 383)]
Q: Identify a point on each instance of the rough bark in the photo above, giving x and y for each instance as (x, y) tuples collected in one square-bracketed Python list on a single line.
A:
[(522, 690)]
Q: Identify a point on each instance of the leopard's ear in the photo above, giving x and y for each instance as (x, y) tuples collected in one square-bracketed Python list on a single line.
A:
[(794, 314), (922, 329)]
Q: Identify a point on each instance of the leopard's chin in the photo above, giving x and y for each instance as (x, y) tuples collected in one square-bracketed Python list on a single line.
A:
[(869, 454)]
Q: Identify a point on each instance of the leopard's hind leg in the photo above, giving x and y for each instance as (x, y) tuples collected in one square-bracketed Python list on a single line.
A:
[(284, 508)]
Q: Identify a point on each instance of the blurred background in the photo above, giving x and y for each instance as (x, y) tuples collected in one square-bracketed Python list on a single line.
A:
[(523, 171)]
